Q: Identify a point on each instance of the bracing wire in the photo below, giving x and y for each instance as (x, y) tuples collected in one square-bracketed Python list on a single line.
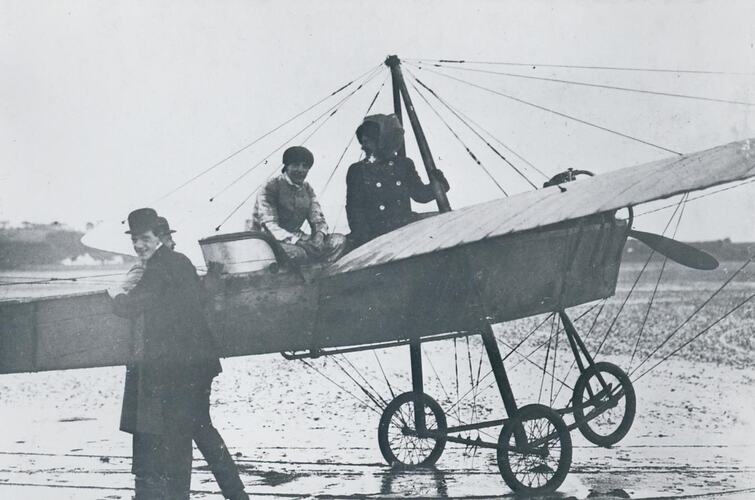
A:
[(572, 66), (360, 400), (245, 200), (555, 112), (545, 362), (385, 377), (657, 284), (696, 336), (492, 148), (469, 151), (697, 310), (266, 134), (671, 205), (351, 138), (457, 111), (327, 114), (356, 370), (636, 281), (598, 85)]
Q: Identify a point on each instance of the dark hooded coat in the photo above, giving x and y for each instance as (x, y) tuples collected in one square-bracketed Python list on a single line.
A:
[(378, 191)]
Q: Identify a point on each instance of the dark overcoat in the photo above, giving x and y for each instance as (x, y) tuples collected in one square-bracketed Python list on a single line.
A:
[(164, 389), (378, 195)]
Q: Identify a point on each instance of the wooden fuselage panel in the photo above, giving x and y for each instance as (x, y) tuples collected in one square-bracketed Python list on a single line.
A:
[(502, 278)]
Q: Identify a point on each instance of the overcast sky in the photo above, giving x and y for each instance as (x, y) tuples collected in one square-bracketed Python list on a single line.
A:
[(107, 106)]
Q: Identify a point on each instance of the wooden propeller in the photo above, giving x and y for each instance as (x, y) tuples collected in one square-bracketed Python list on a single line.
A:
[(677, 251)]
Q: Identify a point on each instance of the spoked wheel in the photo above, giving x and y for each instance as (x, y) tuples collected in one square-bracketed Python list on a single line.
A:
[(540, 464), (399, 441), (604, 405)]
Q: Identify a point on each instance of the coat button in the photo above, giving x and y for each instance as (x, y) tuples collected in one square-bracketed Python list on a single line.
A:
[(390, 163), (379, 184), (398, 183), (382, 207)]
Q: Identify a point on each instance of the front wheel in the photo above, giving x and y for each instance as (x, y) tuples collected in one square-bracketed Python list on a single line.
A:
[(604, 404), (534, 450), (401, 443)]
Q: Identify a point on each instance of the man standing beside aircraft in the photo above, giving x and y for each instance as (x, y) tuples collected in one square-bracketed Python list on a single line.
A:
[(166, 397), (379, 187)]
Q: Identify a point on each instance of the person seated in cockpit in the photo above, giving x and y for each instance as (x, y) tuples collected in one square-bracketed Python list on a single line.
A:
[(285, 202), (379, 187)]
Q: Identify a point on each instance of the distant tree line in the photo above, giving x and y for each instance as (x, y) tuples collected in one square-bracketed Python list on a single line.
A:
[(723, 250), (49, 249)]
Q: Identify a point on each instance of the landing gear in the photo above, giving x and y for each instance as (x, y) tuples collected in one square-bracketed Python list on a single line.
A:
[(604, 404), (400, 440), (534, 450)]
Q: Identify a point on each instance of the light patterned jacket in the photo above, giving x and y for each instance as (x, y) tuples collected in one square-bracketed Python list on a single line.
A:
[(282, 207)]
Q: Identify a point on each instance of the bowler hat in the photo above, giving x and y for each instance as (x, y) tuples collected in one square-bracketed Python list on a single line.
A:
[(163, 227), (142, 220)]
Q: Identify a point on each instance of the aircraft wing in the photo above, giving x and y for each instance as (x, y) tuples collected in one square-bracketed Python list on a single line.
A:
[(613, 190)]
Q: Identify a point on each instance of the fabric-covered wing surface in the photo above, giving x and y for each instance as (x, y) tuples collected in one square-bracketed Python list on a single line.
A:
[(621, 188)]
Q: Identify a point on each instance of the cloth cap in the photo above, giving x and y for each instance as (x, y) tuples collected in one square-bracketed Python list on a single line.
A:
[(142, 220), (298, 154)]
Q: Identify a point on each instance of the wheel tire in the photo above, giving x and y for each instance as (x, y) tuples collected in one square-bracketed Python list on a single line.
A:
[(598, 430), (541, 474), (398, 445)]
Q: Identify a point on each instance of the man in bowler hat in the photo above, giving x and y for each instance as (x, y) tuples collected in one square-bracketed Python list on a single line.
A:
[(166, 396)]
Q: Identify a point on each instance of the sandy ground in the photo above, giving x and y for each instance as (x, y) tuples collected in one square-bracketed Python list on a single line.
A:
[(296, 434)]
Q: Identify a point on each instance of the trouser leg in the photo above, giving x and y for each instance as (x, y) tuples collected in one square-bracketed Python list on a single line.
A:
[(177, 455), (215, 452), (147, 467)]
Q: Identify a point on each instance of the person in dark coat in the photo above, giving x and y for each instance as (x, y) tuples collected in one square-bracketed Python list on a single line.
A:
[(379, 187), (166, 395)]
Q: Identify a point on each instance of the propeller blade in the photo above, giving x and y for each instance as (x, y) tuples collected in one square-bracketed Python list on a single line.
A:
[(677, 251)]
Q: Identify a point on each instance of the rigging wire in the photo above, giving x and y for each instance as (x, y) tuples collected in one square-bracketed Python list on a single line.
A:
[(571, 66), (442, 101), (707, 328), (553, 111), (698, 309), (385, 377), (512, 350), (255, 141), (655, 288), (367, 393), (245, 200), (634, 285), (351, 138), (598, 85), (750, 181), (329, 113), (469, 151), (356, 370), (490, 134), (360, 400), (545, 363)]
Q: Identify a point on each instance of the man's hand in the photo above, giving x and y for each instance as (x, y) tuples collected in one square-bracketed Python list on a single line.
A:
[(441, 178)]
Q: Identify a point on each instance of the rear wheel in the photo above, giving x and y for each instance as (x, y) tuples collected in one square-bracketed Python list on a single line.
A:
[(540, 462), (399, 441), (604, 404)]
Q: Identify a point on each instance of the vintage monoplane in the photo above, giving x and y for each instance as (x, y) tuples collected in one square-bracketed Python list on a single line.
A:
[(451, 275)]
